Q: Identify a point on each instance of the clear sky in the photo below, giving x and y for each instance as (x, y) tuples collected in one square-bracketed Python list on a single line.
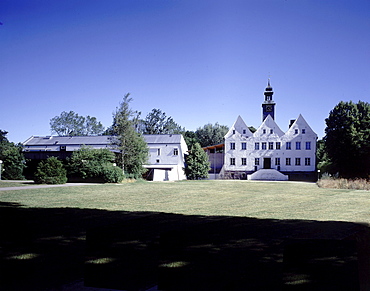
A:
[(199, 61)]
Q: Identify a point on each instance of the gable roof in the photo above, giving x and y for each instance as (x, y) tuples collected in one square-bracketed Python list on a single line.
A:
[(239, 126), (68, 140), (163, 138), (300, 123), (268, 123)]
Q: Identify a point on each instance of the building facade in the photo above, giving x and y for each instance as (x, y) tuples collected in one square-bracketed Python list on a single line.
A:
[(166, 151), (292, 153), (166, 157)]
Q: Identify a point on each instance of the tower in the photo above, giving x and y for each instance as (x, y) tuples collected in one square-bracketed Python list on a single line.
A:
[(268, 106)]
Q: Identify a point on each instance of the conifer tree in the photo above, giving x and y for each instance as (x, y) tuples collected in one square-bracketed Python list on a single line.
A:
[(197, 163), (131, 144)]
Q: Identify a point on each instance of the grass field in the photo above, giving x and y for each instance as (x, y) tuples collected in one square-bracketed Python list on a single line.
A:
[(280, 200), (43, 240)]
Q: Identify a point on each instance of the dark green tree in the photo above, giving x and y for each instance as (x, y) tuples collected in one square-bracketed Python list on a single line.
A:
[(131, 144), (211, 134), (322, 159), (72, 124), (347, 140), (156, 122), (190, 138), (96, 165), (12, 157), (51, 171), (197, 163)]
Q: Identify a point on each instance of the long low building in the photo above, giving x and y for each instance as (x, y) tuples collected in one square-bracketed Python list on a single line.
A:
[(166, 158)]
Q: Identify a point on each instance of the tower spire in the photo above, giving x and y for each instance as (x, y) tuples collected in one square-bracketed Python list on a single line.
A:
[(268, 106)]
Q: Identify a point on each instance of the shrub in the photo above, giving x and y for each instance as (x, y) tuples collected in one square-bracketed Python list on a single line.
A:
[(94, 165), (51, 171), (111, 174), (341, 183)]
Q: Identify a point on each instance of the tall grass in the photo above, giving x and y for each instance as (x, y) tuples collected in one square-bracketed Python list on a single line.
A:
[(341, 183)]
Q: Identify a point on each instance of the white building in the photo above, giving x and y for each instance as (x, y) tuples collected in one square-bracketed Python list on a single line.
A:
[(269, 153), (166, 157), (166, 151)]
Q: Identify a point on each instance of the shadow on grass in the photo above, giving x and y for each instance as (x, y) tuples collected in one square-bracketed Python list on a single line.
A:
[(44, 249)]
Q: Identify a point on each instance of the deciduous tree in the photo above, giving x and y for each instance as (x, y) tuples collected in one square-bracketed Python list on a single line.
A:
[(156, 122), (211, 134), (72, 124), (88, 164), (13, 159), (347, 139)]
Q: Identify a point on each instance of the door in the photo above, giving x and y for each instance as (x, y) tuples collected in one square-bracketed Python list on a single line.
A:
[(267, 163)]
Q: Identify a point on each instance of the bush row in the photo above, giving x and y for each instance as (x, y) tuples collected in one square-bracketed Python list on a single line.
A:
[(85, 165)]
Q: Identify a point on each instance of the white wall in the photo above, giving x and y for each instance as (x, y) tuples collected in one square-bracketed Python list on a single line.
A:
[(298, 132)]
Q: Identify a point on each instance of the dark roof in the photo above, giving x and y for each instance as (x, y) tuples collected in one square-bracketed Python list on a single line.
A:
[(68, 140), (102, 140)]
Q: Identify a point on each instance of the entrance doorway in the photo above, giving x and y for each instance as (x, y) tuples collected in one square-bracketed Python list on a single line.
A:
[(267, 163)]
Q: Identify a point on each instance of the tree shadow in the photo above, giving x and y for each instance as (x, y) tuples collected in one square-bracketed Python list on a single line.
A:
[(44, 249)]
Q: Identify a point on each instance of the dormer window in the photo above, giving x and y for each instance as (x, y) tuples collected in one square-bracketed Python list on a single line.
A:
[(233, 131), (296, 131), (264, 131)]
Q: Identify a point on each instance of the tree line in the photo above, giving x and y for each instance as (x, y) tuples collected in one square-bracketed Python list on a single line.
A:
[(344, 151)]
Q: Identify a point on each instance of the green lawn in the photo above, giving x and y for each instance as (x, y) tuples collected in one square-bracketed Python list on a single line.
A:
[(5, 183), (280, 200), (243, 224)]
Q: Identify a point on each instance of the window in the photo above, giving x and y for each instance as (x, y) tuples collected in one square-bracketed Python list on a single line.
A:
[(298, 145), (175, 152), (288, 145), (244, 161), (277, 161), (296, 131), (257, 161), (303, 131), (278, 145), (287, 161), (271, 131), (307, 161), (264, 131), (157, 161), (297, 161), (257, 146), (271, 145), (232, 145), (244, 131), (264, 145), (308, 145), (232, 161), (233, 131), (244, 145), (158, 152)]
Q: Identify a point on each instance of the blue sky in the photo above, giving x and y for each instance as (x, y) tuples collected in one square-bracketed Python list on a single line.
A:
[(199, 61)]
